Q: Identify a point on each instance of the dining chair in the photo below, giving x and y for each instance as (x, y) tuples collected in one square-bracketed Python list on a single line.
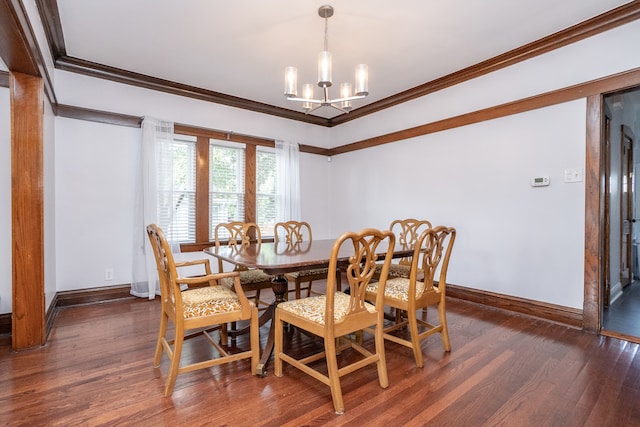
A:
[(420, 290), (407, 232), (336, 316), (205, 306), (296, 235), (237, 234)]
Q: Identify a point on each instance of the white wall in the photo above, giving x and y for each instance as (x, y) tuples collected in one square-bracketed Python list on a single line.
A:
[(49, 166), (512, 238), (94, 179), (5, 202), (94, 175)]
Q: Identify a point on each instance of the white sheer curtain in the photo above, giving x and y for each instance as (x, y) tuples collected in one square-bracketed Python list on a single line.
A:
[(288, 181), (157, 137)]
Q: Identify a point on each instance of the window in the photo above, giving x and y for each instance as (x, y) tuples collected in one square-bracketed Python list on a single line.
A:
[(226, 183), (218, 177), (266, 190), (177, 189)]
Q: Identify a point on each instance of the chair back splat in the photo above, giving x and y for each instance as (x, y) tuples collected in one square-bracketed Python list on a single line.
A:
[(337, 316), (239, 235), (407, 232), (297, 235)]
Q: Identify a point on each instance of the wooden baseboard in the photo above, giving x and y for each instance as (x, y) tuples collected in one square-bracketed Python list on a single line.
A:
[(555, 313), (73, 298), (93, 295), (5, 324)]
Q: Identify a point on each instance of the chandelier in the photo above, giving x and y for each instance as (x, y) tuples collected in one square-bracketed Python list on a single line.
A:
[(347, 94)]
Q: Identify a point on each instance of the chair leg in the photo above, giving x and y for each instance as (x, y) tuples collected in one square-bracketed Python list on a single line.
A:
[(175, 362), (298, 285), (255, 340), (164, 319), (277, 345), (383, 378), (443, 322), (224, 334), (415, 339), (334, 379), (309, 288)]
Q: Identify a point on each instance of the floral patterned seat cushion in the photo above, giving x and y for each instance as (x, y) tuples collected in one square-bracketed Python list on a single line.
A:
[(397, 288), (308, 273), (313, 308), (397, 270), (247, 277), (208, 301)]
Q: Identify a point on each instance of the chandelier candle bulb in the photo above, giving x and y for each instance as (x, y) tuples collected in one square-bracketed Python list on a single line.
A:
[(291, 82), (362, 80), (307, 93), (324, 69), (345, 92)]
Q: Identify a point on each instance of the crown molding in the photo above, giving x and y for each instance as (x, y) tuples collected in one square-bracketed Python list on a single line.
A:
[(603, 22)]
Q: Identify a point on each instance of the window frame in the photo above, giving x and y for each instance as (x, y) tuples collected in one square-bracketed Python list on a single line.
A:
[(202, 179)]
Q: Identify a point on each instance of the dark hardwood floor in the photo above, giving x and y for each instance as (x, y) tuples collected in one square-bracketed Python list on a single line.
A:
[(504, 369)]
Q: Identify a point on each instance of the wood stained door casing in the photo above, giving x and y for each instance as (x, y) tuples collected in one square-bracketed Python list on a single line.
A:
[(626, 206), (606, 213)]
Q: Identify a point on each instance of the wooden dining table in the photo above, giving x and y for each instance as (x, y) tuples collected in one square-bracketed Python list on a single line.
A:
[(278, 259)]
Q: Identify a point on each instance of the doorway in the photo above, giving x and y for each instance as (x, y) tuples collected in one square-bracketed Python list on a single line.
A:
[(620, 280)]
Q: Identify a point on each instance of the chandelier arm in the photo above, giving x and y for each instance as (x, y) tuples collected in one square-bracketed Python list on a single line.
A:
[(338, 108), (313, 101), (348, 98), (314, 108)]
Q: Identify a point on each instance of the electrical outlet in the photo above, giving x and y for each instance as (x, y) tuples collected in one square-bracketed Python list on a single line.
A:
[(108, 274)]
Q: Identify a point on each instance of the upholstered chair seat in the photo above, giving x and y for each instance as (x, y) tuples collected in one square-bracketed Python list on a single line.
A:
[(314, 308), (397, 289), (210, 300)]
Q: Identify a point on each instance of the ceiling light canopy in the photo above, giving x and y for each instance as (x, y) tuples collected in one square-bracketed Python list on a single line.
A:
[(347, 92)]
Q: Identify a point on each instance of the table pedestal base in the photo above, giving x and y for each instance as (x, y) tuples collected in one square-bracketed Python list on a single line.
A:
[(280, 286)]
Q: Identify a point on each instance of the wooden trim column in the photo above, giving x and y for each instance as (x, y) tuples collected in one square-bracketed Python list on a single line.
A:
[(591, 310), (27, 218), (250, 184)]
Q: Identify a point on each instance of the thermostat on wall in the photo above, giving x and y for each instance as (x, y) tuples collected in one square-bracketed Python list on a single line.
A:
[(540, 181)]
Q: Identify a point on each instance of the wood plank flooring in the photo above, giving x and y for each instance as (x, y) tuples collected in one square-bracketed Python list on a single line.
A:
[(505, 369)]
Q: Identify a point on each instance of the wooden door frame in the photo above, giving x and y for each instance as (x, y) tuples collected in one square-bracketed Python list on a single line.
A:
[(605, 277), (594, 218), (626, 203), (594, 254)]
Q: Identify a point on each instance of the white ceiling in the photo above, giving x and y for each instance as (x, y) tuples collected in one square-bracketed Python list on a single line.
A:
[(241, 47)]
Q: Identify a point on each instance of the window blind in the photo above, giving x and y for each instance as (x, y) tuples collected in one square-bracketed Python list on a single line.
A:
[(226, 183), (177, 189)]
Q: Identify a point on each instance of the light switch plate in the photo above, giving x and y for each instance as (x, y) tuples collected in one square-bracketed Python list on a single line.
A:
[(573, 175)]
